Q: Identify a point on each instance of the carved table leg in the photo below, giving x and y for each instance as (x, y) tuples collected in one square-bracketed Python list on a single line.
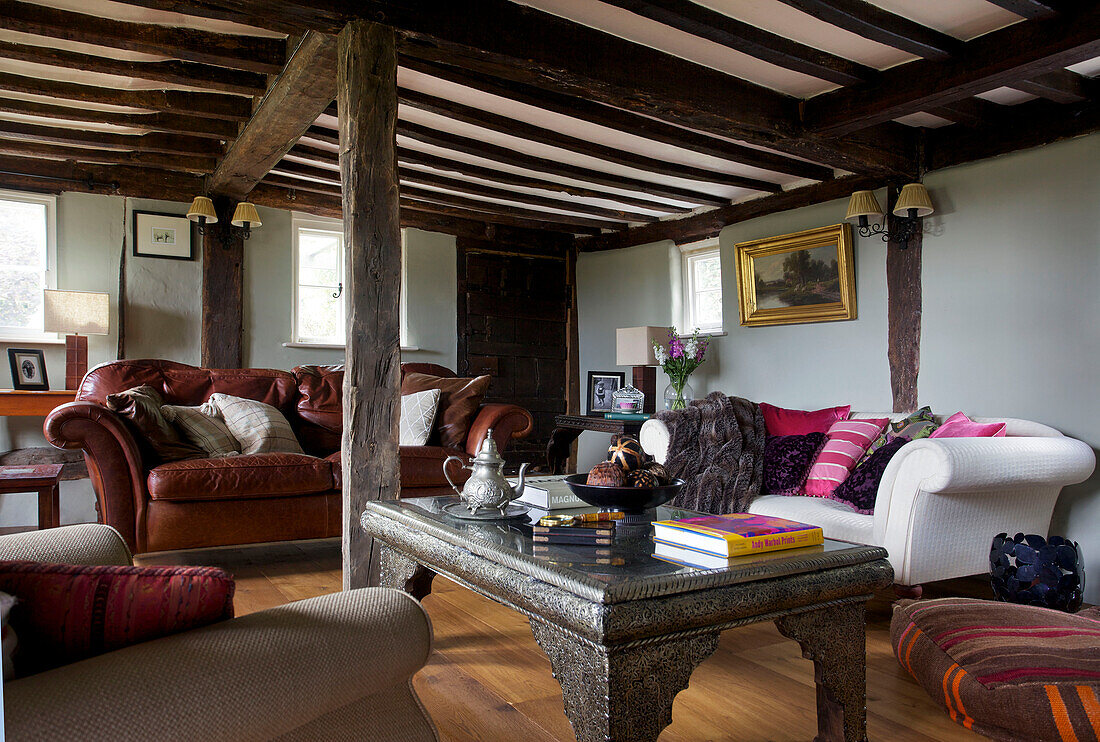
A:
[(621, 694), (557, 450), (400, 572), (835, 639)]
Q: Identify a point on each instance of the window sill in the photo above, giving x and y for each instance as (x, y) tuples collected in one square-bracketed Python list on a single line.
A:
[(33, 341), (328, 346), (708, 334)]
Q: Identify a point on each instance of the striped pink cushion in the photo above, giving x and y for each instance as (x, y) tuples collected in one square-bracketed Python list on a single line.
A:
[(848, 439)]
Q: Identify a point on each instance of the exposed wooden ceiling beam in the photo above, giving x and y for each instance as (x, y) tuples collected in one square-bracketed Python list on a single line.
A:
[(1018, 127), (55, 176), (207, 105), (620, 120), (1060, 86), (1029, 8), (171, 71), (525, 45), (710, 223), (253, 53), (331, 178), (293, 102), (880, 25), (503, 217), (173, 122), (153, 142), (187, 163), (1018, 52), (532, 133), (474, 204), (968, 111), (748, 39), (508, 156), (438, 162)]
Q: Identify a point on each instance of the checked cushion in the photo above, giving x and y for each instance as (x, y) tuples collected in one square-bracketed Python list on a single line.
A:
[(1010, 672)]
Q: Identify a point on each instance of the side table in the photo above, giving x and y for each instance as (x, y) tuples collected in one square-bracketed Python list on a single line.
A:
[(567, 428), (27, 403), (41, 478)]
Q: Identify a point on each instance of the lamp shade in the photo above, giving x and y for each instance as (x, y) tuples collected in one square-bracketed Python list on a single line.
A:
[(913, 196), (634, 345), (202, 207), (863, 203), (77, 312), (245, 215)]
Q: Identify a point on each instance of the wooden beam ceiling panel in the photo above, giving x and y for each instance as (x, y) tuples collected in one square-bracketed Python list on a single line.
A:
[(530, 132), (506, 217), (968, 111), (172, 71), (541, 49), (171, 122), (473, 204), (206, 105), (294, 101), (1059, 86), (705, 23), (1029, 8), (620, 120), (872, 22), (252, 53), (437, 162), (1019, 52), (188, 163), (54, 176), (710, 223), (153, 142)]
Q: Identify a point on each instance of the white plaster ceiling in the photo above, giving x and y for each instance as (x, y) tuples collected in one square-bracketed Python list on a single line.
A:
[(124, 12)]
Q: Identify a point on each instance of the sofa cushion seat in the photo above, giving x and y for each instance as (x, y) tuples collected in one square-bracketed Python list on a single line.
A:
[(837, 520), (235, 477)]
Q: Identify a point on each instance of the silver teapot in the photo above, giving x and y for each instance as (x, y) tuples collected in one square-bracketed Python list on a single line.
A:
[(486, 488)]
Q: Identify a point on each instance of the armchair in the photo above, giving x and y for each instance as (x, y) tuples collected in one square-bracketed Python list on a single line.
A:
[(334, 667)]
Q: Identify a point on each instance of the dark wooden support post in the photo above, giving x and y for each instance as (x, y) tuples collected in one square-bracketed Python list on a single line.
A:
[(222, 291), (366, 95), (573, 348), (903, 282)]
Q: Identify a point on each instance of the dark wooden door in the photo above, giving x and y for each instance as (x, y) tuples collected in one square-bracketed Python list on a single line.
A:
[(512, 313)]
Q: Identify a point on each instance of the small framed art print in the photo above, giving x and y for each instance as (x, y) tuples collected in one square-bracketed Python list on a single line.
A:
[(28, 369), (158, 235)]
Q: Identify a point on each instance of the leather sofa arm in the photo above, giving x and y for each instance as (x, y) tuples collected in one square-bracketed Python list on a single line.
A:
[(114, 461), (507, 421), (257, 677)]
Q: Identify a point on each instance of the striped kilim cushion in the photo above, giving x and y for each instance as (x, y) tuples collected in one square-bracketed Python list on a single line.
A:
[(848, 439), (1010, 672)]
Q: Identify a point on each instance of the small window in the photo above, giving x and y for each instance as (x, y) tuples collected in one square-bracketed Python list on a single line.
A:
[(702, 270), (319, 288), (28, 257)]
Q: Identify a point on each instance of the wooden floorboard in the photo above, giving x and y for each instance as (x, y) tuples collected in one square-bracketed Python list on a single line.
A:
[(488, 680)]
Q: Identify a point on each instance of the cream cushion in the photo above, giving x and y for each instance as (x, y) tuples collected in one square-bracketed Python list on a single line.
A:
[(259, 427), (418, 411), (204, 427)]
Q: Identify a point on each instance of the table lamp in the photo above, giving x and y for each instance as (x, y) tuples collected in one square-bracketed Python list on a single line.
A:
[(634, 347), (77, 314)]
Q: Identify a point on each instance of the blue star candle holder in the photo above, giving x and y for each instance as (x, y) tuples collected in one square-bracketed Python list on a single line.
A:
[(1032, 570)]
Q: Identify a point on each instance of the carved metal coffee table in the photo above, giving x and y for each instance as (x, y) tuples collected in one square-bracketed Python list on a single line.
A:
[(624, 630)]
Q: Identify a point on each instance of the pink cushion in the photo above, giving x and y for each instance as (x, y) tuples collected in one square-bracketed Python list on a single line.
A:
[(779, 421), (848, 439), (961, 426)]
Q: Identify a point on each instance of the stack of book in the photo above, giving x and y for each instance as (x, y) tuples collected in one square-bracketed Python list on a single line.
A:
[(549, 493), (582, 533), (710, 542), (628, 416)]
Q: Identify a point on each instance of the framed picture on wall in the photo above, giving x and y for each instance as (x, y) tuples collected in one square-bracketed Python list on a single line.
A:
[(601, 384), (803, 277), (28, 369), (158, 235)]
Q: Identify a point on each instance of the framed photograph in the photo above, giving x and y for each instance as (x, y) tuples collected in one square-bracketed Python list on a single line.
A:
[(600, 386), (28, 369), (159, 235), (803, 277)]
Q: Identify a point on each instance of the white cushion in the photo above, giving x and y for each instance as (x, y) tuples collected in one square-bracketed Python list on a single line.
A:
[(418, 412), (259, 427), (837, 520)]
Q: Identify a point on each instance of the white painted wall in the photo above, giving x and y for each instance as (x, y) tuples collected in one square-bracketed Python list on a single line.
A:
[(164, 316), (1011, 322)]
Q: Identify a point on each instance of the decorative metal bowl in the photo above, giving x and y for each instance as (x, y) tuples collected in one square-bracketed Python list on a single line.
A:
[(1032, 570), (630, 500)]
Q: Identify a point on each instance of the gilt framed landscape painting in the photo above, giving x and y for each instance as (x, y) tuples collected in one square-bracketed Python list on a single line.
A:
[(803, 277)]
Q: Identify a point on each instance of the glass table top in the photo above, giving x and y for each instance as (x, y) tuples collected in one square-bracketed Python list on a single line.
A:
[(629, 559)]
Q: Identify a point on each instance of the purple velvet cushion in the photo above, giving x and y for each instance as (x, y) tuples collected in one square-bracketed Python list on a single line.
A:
[(787, 461), (860, 489)]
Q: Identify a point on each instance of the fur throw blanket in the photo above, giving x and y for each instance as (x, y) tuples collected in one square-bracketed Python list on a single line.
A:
[(716, 445)]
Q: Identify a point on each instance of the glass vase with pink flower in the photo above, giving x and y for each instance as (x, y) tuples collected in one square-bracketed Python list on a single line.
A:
[(678, 359)]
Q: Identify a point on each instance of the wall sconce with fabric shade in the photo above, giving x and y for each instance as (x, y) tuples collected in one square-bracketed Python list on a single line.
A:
[(204, 213), (634, 347), (912, 205), (77, 314)]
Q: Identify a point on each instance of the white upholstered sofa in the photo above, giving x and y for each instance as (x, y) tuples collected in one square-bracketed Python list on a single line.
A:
[(942, 500)]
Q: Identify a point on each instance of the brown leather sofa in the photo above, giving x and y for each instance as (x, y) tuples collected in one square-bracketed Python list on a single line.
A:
[(239, 499)]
